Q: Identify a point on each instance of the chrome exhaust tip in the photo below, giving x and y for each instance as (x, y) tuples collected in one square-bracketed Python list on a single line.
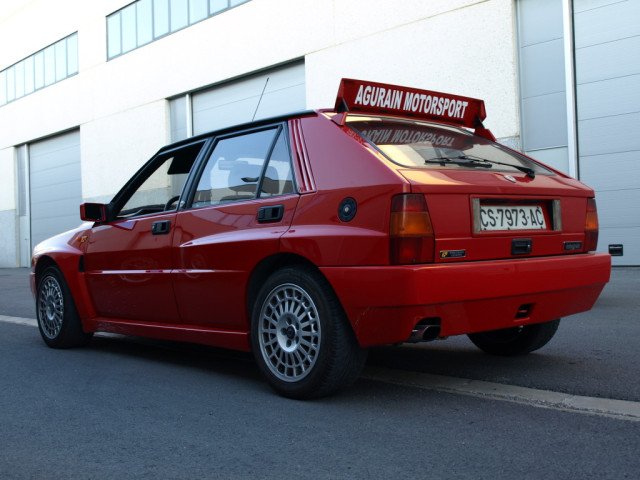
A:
[(425, 330)]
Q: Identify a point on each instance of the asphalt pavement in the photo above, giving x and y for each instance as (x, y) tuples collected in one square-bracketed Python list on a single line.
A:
[(127, 407), (15, 295), (593, 354)]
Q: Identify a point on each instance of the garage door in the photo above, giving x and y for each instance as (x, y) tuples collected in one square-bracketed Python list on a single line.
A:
[(607, 41), (275, 92), (55, 185), (260, 96)]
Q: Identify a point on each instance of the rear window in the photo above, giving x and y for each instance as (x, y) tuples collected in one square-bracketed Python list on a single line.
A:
[(425, 145)]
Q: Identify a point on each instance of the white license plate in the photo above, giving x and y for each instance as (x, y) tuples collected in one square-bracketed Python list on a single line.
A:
[(513, 217)]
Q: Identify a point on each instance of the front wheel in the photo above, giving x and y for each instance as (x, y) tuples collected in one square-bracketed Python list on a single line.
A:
[(58, 320), (516, 340), (301, 338)]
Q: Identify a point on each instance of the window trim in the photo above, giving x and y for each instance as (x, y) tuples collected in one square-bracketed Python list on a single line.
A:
[(194, 179)]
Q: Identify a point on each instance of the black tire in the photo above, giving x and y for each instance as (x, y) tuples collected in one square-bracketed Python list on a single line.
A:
[(300, 336), (516, 340), (58, 320)]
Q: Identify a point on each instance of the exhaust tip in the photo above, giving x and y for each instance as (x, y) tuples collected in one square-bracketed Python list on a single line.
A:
[(426, 330), (524, 311)]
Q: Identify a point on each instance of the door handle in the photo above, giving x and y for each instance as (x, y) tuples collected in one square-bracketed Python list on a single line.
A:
[(161, 227), (270, 214)]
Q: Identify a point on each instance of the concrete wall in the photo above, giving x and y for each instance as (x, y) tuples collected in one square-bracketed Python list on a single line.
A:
[(464, 47)]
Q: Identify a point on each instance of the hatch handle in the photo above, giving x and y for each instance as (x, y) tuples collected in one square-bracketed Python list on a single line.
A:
[(521, 246)]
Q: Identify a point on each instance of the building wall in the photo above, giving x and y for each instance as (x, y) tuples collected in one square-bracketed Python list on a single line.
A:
[(121, 105), (607, 40), (466, 47), (8, 234), (543, 92)]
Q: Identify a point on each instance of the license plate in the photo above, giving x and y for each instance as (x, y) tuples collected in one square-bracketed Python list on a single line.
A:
[(512, 217)]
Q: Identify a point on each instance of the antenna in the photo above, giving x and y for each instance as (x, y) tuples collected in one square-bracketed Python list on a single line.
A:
[(260, 99)]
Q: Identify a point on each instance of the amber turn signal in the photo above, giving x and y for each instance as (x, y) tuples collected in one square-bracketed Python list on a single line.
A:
[(411, 231)]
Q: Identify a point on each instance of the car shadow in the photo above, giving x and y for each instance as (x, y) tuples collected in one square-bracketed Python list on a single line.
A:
[(182, 354), (456, 359)]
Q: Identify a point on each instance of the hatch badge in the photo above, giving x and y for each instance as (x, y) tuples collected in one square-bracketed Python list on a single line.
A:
[(510, 178), (453, 254)]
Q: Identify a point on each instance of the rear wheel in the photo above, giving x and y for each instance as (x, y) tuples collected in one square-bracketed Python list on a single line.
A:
[(301, 338), (58, 319), (516, 340)]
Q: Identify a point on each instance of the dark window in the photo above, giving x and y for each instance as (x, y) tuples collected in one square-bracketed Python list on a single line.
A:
[(159, 186), (236, 169), (278, 178)]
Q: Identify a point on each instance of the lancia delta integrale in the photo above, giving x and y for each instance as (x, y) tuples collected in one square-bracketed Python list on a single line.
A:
[(393, 217)]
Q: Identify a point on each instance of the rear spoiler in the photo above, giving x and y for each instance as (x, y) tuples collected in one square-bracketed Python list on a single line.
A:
[(359, 96)]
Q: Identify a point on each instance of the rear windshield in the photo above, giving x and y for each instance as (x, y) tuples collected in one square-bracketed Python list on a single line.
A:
[(425, 145)]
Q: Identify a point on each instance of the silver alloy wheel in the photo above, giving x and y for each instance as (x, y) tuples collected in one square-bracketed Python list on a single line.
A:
[(289, 332), (50, 307)]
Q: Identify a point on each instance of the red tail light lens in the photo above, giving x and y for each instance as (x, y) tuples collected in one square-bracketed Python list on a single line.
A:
[(591, 226), (411, 232)]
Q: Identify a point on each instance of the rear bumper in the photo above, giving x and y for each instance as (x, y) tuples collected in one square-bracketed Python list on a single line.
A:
[(384, 303)]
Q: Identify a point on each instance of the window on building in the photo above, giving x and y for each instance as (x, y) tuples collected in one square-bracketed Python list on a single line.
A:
[(46, 67), (145, 21)]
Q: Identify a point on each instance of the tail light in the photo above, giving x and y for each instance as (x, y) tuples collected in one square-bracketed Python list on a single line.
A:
[(411, 232), (591, 226)]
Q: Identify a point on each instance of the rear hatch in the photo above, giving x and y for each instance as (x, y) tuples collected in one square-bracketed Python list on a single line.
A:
[(484, 201)]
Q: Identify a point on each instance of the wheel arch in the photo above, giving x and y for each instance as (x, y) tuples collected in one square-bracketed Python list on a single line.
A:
[(268, 266), (42, 264), (71, 269), (342, 357), (271, 264)]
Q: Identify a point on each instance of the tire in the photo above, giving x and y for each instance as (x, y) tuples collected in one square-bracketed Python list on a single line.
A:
[(301, 339), (516, 340), (58, 320)]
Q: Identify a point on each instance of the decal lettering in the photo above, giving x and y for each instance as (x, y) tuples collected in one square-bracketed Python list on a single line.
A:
[(382, 97), (380, 137), (387, 136), (378, 97), (432, 105)]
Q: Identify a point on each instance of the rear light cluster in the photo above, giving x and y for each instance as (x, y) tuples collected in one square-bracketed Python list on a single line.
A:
[(591, 226), (411, 232)]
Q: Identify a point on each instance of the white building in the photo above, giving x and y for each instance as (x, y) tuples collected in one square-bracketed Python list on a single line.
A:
[(90, 90)]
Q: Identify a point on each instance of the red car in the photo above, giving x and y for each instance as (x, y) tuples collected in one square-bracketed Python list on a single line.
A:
[(394, 217)]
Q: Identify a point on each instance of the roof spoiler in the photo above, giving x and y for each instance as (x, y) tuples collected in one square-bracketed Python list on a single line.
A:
[(358, 96)]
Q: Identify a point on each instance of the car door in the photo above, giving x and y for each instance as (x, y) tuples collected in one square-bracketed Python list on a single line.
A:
[(243, 202), (128, 259)]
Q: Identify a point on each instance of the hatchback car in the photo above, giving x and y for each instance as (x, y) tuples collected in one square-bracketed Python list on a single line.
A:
[(393, 217)]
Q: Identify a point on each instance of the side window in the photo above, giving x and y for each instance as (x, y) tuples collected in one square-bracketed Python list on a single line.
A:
[(278, 178), (235, 169), (159, 187)]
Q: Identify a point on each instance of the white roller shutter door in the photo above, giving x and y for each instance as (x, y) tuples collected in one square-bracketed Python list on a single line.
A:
[(259, 96), (607, 42), (55, 185)]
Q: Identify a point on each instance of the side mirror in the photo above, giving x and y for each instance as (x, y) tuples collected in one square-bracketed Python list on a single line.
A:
[(93, 212)]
